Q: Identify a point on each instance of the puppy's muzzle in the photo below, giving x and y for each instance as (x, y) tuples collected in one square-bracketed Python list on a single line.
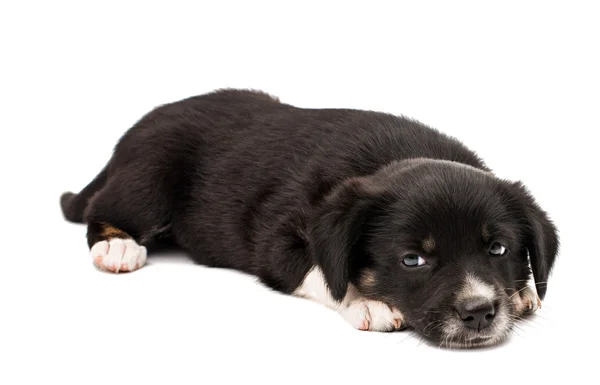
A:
[(476, 312)]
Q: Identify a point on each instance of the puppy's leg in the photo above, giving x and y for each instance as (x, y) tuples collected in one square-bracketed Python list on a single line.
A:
[(128, 215), (358, 311), (113, 249)]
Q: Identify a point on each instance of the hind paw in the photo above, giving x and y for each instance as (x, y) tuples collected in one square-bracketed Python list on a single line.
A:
[(118, 255)]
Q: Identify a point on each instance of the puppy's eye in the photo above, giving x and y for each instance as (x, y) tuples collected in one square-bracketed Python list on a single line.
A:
[(497, 249), (413, 260)]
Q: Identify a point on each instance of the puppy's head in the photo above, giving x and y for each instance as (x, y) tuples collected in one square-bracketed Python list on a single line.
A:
[(449, 245)]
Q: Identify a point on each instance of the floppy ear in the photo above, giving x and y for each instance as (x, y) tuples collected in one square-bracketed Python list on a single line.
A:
[(335, 228), (541, 240)]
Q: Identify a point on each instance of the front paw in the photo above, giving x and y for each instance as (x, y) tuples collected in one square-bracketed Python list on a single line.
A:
[(364, 314), (118, 255), (526, 302)]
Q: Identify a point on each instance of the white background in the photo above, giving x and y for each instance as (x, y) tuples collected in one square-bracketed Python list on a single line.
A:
[(518, 82)]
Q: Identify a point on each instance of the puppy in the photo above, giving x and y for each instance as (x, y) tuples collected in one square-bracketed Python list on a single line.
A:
[(382, 218)]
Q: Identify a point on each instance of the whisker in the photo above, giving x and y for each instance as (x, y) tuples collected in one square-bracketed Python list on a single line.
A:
[(431, 323), (525, 321), (518, 291), (531, 280), (532, 319), (426, 326), (547, 307), (514, 331), (410, 335), (542, 317), (515, 325), (434, 328)]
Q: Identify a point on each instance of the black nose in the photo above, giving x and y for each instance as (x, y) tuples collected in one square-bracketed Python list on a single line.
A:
[(476, 313)]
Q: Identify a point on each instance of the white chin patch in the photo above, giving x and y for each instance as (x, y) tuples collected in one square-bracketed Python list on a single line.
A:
[(456, 334)]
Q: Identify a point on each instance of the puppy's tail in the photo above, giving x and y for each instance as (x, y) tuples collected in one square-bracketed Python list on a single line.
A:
[(74, 205)]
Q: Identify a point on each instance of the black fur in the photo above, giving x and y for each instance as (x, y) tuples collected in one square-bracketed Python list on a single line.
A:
[(238, 179)]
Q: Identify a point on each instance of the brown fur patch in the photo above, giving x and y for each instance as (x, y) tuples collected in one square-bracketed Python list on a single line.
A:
[(428, 244), (485, 233), (109, 232), (367, 279)]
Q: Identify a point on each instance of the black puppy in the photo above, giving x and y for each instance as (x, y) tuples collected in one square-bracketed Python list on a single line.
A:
[(380, 217)]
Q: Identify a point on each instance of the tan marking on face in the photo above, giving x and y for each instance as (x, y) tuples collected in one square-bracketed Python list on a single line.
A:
[(485, 233), (109, 232), (428, 244), (367, 279)]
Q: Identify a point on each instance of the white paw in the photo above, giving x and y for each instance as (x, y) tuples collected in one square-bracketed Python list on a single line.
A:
[(526, 301), (118, 255), (365, 314)]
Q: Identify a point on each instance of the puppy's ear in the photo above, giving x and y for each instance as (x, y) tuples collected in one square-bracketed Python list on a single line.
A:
[(541, 240), (337, 226)]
